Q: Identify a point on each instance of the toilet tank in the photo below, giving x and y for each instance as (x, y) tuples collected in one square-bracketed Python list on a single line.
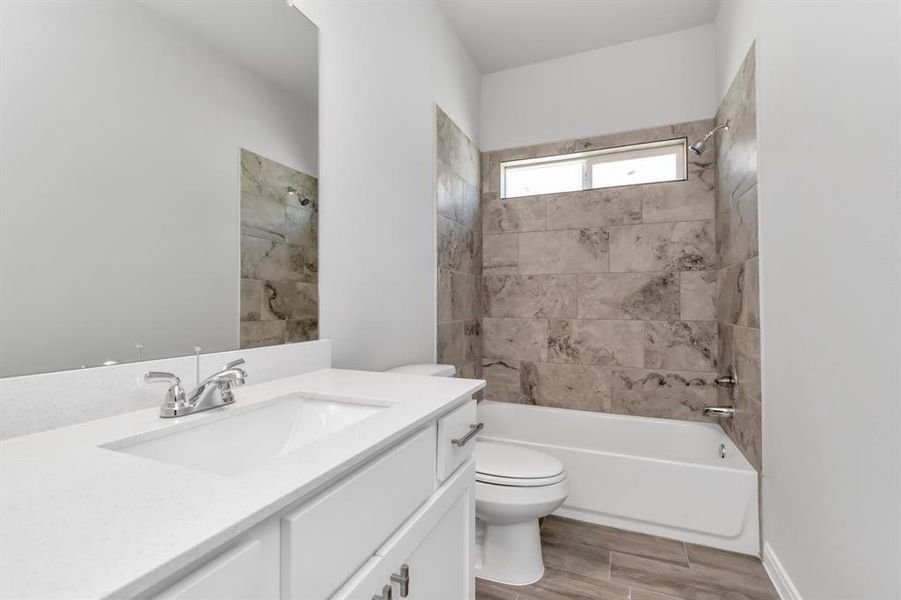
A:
[(432, 370)]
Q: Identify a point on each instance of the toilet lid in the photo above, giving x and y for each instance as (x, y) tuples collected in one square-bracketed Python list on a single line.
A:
[(506, 464)]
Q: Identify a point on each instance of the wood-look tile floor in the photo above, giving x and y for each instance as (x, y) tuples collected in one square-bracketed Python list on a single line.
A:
[(591, 562)]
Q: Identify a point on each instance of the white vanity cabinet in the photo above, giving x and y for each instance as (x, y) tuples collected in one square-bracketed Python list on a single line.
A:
[(413, 505)]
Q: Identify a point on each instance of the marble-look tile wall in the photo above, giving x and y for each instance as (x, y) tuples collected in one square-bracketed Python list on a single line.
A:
[(459, 240), (604, 299), (279, 253), (738, 299)]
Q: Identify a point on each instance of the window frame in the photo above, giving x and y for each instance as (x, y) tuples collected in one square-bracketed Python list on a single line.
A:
[(591, 157)]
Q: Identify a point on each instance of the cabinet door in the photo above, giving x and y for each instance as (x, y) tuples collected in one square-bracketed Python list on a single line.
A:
[(437, 547), (436, 544), (440, 568)]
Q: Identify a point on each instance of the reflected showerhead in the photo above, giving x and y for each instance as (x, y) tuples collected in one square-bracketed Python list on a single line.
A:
[(699, 146), (293, 194)]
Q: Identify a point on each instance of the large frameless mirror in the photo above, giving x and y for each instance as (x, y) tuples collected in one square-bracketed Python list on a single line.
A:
[(158, 180)]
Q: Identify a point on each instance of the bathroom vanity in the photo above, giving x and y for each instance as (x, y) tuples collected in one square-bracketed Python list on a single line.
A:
[(331, 484)]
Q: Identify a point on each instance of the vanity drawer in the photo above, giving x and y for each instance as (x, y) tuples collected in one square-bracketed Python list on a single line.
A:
[(330, 537), (456, 425)]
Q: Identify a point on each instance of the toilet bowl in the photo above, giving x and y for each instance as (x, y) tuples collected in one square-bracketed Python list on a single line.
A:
[(514, 488)]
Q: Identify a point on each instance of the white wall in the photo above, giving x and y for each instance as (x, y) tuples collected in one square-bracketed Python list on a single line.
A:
[(829, 104), (119, 199), (654, 81), (384, 65)]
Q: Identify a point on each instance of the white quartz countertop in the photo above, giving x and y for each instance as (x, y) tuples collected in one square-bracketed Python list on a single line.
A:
[(81, 521)]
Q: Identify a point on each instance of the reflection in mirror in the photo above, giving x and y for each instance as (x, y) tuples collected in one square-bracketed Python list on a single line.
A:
[(159, 182)]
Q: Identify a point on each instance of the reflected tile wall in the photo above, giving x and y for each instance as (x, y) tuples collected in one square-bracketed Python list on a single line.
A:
[(738, 297), (279, 254), (459, 250), (603, 300)]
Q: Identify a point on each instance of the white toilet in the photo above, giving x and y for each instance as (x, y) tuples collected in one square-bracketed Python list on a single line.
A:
[(515, 486)]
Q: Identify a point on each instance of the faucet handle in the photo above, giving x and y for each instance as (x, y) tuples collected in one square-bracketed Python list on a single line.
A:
[(176, 393), (233, 364)]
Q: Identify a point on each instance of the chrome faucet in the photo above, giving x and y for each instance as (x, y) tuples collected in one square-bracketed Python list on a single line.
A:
[(720, 411), (212, 392)]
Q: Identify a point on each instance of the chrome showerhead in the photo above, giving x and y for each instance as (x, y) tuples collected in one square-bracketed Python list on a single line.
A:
[(699, 146)]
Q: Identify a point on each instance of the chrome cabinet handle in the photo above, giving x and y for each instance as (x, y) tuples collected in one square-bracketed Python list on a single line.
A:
[(385, 595), (473, 431), (402, 580)]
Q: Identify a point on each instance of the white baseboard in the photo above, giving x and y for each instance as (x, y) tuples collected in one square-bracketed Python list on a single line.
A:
[(779, 576)]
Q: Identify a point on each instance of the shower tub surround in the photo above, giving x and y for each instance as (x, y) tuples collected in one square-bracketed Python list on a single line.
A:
[(279, 254), (738, 296), (603, 300), (459, 255)]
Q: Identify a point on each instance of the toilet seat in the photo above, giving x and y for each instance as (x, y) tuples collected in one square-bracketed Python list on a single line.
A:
[(519, 481), (508, 465)]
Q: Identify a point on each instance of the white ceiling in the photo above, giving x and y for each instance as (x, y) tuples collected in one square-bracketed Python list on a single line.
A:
[(266, 36), (502, 34)]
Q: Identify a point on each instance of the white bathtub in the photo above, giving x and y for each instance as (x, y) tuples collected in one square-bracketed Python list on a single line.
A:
[(657, 476)]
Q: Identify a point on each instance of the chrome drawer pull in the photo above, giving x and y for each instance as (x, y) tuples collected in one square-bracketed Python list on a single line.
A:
[(473, 431), (403, 580)]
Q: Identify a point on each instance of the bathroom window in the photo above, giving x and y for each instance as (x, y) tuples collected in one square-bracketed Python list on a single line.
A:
[(626, 165)]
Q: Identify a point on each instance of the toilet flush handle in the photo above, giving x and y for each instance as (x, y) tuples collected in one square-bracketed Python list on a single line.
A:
[(473, 431)]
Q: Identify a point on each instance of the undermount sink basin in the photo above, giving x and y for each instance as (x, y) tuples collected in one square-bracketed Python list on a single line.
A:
[(247, 439)]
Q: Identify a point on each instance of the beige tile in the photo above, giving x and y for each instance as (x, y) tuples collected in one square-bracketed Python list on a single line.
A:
[(456, 149), (290, 300), (681, 345), (690, 200), (736, 149), (450, 343), (445, 298), (697, 291), (255, 334), (262, 217), (530, 296), (456, 246), (738, 300), (629, 296), (695, 583), (592, 208), (513, 214), (662, 394), (500, 254), (515, 339), (609, 343), (449, 192), (311, 264), (685, 246), (265, 259), (466, 299), (459, 342), (302, 330), (251, 299), (565, 251), (579, 387), (741, 349), (267, 179), (503, 380), (736, 230), (301, 227), (569, 531)]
